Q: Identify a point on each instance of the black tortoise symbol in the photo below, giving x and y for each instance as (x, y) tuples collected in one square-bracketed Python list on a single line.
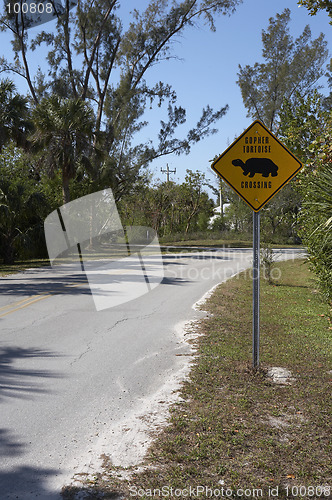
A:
[(253, 166)]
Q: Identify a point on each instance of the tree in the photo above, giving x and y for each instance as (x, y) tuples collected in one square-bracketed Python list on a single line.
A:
[(168, 207), (301, 122), (316, 215), (93, 58), (14, 115), (238, 216), (279, 222), (306, 130), (291, 70), (315, 5), (64, 134), (194, 198), (23, 207)]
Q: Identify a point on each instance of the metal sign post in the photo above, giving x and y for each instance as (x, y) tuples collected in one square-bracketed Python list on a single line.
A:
[(256, 283), (256, 166)]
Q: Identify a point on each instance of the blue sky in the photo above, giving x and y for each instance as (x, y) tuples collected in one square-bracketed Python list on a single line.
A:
[(206, 73)]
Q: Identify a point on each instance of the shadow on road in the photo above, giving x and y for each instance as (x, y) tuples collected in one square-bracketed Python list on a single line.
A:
[(21, 481), (9, 446), (26, 287), (176, 258), (27, 483), (21, 382), (67, 280)]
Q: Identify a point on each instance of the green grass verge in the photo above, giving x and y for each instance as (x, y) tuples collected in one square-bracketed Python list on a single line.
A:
[(212, 243), (235, 428), (22, 265), (221, 243)]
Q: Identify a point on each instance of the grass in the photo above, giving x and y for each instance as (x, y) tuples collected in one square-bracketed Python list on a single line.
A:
[(234, 427), (227, 239), (221, 243), (22, 265), (235, 243)]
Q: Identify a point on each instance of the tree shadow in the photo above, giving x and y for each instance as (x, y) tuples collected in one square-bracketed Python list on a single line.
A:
[(290, 285), (21, 382), (19, 480), (91, 493), (69, 280), (22, 286), (172, 259), (9, 447), (27, 483)]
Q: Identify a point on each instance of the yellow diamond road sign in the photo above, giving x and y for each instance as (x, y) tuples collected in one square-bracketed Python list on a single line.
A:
[(257, 165)]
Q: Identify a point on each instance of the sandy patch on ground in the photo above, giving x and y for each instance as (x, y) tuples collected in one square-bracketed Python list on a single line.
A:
[(126, 442)]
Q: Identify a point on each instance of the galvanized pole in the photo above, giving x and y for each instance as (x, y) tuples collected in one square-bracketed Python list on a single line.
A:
[(168, 171), (256, 278)]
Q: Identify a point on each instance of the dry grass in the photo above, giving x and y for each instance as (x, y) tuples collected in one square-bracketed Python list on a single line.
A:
[(235, 428)]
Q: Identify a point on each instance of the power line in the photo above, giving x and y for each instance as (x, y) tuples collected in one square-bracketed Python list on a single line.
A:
[(168, 171)]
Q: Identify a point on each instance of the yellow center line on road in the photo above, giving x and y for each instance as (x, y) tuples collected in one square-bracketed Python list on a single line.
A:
[(22, 306), (17, 306), (8, 306), (80, 284)]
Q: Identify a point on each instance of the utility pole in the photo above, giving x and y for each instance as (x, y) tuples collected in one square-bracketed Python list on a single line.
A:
[(168, 171)]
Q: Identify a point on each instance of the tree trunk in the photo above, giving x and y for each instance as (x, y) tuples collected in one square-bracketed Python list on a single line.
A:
[(65, 188), (8, 252)]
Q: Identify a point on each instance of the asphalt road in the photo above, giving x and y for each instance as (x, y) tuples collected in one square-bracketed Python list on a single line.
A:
[(68, 373)]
